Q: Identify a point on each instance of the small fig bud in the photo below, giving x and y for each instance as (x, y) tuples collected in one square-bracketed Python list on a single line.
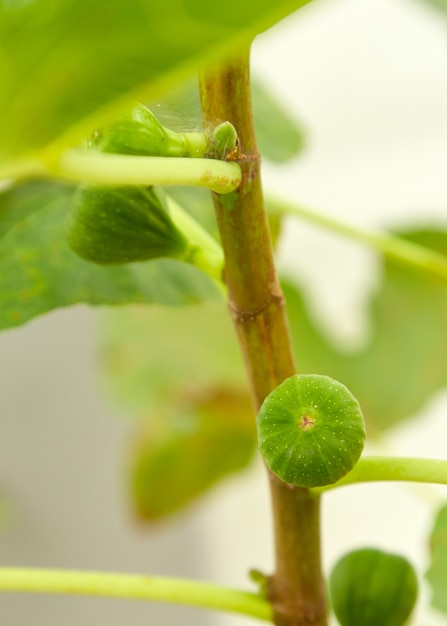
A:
[(311, 431), (224, 140), (113, 225), (369, 587)]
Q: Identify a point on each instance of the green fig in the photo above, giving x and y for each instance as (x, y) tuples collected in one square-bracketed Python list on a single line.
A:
[(311, 431), (113, 225), (369, 587), (140, 133)]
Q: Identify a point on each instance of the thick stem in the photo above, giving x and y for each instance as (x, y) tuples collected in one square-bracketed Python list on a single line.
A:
[(257, 307), (297, 586)]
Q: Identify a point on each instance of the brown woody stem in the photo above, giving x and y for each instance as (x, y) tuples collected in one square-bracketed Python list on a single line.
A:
[(257, 308)]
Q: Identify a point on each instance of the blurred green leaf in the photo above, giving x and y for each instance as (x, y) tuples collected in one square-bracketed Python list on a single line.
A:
[(279, 137), (404, 362), (185, 448), (3, 511), (180, 372), (38, 271), (437, 571), (149, 355), (71, 65), (17, 203), (438, 4)]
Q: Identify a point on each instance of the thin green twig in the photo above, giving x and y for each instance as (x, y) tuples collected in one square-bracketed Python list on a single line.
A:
[(172, 590), (117, 169), (389, 468), (394, 247)]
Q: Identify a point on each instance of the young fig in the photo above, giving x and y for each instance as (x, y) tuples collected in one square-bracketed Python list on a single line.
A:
[(114, 225), (311, 430), (140, 133), (369, 587)]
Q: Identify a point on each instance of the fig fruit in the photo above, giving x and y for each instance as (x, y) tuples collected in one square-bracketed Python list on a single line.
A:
[(114, 225), (311, 430), (140, 133), (369, 587)]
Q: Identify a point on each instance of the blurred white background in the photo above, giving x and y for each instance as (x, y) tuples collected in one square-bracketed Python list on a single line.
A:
[(368, 79)]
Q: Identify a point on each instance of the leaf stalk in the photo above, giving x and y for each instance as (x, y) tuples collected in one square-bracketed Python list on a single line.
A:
[(159, 589), (116, 169), (392, 246), (390, 468)]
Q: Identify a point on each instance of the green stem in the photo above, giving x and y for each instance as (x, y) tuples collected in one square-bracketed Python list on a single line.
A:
[(207, 254), (22, 170), (257, 307), (393, 247), (378, 468), (173, 590), (195, 145), (116, 169)]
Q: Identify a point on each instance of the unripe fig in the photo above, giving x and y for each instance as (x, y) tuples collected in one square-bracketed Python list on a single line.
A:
[(140, 133), (113, 225), (311, 430), (369, 587)]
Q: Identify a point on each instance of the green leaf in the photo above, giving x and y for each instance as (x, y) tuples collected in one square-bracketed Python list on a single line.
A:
[(185, 448), (437, 571), (38, 271), (3, 511), (149, 354), (279, 137), (180, 372), (70, 66), (17, 203), (438, 4), (403, 363)]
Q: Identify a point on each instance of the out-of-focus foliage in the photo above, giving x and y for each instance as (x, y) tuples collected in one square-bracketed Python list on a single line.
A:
[(279, 136), (403, 362), (187, 446), (438, 4), (437, 571), (181, 374)]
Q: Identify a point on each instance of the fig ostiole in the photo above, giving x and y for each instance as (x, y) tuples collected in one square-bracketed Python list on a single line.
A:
[(369, 587), (311, 430)]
